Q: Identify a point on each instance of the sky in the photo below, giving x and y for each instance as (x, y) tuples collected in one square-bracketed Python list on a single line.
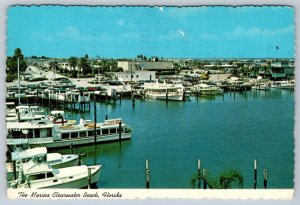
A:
[(168, 32)]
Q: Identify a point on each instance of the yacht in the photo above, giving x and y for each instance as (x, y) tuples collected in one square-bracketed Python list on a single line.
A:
[(205, 89), (40, 154), (164, 91), (42, 175)]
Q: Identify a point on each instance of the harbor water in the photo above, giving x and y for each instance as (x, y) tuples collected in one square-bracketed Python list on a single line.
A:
[(226, 132)]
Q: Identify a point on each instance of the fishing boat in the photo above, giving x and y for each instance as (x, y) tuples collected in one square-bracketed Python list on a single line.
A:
[(164, 91), (42, 175), (24, 113), (39, 154), (46, 134)]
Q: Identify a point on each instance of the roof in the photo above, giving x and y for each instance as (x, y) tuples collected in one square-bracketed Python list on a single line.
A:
[(28, 153)]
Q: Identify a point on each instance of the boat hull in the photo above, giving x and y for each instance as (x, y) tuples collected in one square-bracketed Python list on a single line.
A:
[(52, 144), (164, 97)]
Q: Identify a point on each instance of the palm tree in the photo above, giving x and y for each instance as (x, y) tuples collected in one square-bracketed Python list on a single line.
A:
[(84, 65), (224, 181), (73, 63)]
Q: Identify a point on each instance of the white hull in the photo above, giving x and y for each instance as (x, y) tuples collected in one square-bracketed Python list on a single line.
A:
[(50, 143), (171, 97), (74, 181)]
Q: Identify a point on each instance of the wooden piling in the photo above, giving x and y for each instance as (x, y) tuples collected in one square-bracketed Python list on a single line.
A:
[(265, 178), (167, 97), (120, 132), (14, 169), (95, 121), (199, 173), (89, 178), (204, 180), (255, 174), (183, 95), (71, 148), (106, 117), (133, 100), (120, 97), (147, 175)]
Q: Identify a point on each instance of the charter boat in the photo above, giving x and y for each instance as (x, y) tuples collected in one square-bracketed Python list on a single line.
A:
[(164, 91), (45, 133), (24, 113), (39, 154), (41, 175)]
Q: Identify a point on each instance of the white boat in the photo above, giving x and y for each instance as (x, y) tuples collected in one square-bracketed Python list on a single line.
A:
[(24, 113), (47, 134), (41, 175), (204, 89), (164, 91), (57, 117), (261, 86), (285, 85), (55, 160)]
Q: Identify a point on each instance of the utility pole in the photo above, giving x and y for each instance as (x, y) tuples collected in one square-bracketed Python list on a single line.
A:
[(19, 81)]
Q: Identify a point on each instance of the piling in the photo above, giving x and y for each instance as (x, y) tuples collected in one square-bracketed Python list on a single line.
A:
[(95, 121), (183, 95), (167, 97), (265, 178), (204, 180), (120, 97), (255, 174), (89, 178), (147, 175), (14, 170), (120, 132), (106, 117), (199, 173), (133, 100), (71, 148)]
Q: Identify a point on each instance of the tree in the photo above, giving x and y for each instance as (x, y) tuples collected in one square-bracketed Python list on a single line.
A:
[(85, 66), (224, 181), (73, 63), (12, 62)]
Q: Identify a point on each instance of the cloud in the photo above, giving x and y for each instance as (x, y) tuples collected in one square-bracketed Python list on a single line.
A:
[(253, 32), (70, 32), (181, 32), (74, 33), (207, 36), (120, 22), (160, 8)]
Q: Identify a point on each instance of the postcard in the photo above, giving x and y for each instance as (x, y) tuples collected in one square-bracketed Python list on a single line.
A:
[(124, 102)]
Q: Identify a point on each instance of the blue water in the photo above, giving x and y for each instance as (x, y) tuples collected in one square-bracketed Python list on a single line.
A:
[(225, 132)]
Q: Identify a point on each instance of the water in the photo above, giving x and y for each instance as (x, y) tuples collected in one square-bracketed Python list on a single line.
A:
[(225, 132)]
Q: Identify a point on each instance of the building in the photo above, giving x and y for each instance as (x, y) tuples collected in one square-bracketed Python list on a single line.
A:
[(146, 65), (138, 75)]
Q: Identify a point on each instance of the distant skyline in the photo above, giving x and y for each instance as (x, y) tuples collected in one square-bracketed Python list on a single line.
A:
[(169, 32)]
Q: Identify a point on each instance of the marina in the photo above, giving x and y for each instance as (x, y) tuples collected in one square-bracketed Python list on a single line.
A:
[(150, 101)]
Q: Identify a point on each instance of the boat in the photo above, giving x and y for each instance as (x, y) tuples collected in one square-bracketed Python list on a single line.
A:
[(204, 89), (46, 134), (24, 113), (42, 175), (55, 160), (57, 117), (261, 86), (283, 85), (164, 91)]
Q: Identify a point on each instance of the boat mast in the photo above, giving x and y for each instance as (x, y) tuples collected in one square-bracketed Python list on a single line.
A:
[(19, 81)]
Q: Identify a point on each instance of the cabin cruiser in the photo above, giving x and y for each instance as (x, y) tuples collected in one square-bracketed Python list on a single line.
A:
[(39, 154), (42, 175), (164, 91)]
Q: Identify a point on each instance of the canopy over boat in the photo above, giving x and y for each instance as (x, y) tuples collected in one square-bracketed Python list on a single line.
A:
[(28, 153)]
